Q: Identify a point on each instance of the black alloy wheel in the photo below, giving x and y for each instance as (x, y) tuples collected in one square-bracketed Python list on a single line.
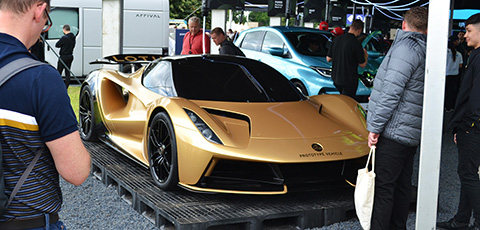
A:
[(86, 115), (162, 152)]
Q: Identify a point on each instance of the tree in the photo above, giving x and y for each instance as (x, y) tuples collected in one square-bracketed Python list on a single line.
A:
[(238, 17), (181, 9), (184, 9), (260, 17)]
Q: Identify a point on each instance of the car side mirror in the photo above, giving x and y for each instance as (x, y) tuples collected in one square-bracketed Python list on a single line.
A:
[(276, 51)]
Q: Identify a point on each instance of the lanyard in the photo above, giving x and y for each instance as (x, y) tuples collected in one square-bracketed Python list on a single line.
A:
[(191, 41)]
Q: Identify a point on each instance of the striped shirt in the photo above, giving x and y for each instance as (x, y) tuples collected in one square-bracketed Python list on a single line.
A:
[(34, 109)]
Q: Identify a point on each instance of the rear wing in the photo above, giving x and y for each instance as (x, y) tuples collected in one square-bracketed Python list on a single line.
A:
[(127, 59)]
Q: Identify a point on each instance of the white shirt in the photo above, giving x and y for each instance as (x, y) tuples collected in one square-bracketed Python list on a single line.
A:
[(453, 66)]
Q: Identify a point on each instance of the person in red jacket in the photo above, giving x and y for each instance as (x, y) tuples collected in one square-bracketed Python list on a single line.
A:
[(192, 42)]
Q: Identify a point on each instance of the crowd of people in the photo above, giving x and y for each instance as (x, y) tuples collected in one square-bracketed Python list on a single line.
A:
[(465, 125), (395, 113), (193, 40)]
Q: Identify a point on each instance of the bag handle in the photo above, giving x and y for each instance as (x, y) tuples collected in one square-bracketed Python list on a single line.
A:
[(371, 154)]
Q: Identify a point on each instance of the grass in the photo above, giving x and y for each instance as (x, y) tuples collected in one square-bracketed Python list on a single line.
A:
[(74, 93)]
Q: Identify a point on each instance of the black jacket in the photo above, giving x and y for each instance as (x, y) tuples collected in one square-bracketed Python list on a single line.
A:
[(227, 47), (66, 44), (467, 106)]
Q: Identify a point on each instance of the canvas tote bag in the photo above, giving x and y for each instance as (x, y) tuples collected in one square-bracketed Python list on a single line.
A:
[(364, 191)]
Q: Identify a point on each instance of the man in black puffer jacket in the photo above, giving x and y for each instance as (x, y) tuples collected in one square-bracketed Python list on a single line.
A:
[(395, 118)]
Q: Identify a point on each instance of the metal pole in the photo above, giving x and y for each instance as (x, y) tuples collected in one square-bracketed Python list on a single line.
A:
[(327, 6), (203, 34), (186, 18), (450, 27), (354, 12), (430, 147), (371, 19)]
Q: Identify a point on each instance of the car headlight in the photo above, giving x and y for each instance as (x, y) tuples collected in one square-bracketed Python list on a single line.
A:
[(326, 72), (367, 79), (203, 128)]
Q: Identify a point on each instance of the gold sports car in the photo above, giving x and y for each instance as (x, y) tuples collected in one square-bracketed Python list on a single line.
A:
[(223, 124)]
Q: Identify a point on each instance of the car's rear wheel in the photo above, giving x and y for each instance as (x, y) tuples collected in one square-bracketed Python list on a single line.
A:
[(86, 115), (300, 87), (162, 152)]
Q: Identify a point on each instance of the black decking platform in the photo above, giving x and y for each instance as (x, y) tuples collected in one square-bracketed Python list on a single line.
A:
[(188, 210)]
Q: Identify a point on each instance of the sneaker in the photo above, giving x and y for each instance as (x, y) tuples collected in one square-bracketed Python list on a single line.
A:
[(452, 224), (474, 227)]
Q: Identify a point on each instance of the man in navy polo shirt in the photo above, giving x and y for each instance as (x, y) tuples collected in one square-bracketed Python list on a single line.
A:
[(35, 112)]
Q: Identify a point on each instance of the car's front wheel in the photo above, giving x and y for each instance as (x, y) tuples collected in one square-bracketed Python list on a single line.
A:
[(162, 152)]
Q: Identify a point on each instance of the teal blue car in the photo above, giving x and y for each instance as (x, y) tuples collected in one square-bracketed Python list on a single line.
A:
[(299, 53)]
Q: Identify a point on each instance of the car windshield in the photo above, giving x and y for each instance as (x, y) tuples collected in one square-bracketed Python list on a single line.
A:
[(223, 80), (309, 43)]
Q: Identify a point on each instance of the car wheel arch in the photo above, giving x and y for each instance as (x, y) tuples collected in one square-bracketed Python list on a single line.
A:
[(90, 122), (300, 85), (154, 112)]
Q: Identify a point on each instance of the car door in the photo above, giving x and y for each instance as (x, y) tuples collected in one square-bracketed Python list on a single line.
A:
[(275, 53), (252, 43), (376, 49)]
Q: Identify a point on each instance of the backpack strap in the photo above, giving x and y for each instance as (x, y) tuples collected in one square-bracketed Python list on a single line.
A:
[(6, 72), (17, 66), (24, 176)]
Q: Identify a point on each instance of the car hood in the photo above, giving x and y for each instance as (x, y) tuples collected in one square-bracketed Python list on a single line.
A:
[(261, 131), (280, 132), (288, 120), (315, 61)]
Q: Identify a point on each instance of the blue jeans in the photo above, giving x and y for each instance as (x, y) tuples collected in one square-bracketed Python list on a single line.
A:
[(55, 226)]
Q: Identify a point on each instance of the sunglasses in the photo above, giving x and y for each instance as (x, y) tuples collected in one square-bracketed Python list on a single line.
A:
[(48, 23)]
